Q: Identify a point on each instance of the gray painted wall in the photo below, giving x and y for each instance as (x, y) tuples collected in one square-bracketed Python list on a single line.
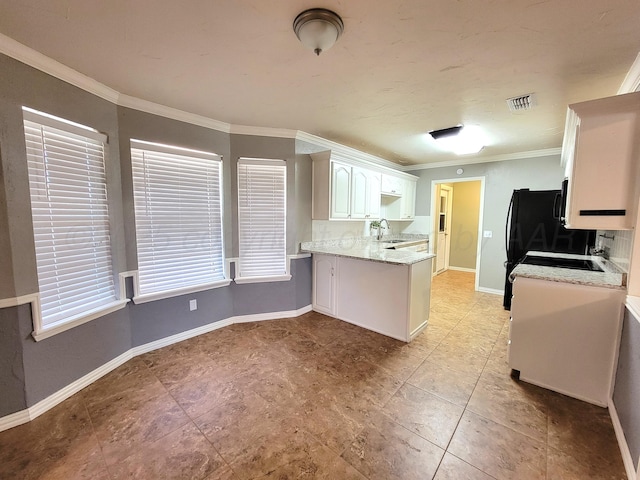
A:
[(12, 384), (55, 362), (501, 178), (30, 371), (626, 394)]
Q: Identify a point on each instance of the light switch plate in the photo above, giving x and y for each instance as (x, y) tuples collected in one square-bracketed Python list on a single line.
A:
[(487, 234), (193, 304)]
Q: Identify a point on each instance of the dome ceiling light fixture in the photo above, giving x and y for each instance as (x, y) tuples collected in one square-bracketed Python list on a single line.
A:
[(318, 29)]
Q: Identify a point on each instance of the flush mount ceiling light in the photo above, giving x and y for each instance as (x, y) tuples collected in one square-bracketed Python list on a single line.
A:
[(460, 140), (318, 29)]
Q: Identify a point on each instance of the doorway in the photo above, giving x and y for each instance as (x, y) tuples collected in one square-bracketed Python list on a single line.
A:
[(457, 212), (443, 244)]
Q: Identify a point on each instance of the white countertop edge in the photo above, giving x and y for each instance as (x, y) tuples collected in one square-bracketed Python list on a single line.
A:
[(633, 305), (409, 257)]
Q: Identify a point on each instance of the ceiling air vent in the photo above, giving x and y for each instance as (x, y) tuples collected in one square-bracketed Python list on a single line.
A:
[(522, 102)]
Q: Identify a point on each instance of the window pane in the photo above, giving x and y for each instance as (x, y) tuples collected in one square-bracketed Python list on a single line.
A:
[(68, 191), (178, 210), (262, 217)]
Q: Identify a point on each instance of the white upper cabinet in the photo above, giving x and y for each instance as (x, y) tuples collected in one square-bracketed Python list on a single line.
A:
[(346, 191), (341, 183), (391, 185), (359, 199), (601, 153), (365, 193), (408, 200)]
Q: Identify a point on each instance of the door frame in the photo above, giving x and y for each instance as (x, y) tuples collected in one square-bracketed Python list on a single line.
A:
[(447, 226), (434, 213)]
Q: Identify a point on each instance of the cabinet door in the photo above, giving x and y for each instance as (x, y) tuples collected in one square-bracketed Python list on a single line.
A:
[(340, 190), (373, 210), (391, 185), (408, 201), (359, 192), (600, 152), (324, 284)]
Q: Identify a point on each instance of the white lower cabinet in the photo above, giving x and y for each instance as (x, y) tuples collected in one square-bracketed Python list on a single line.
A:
[(390, 299), (324, 285), (565, 336)]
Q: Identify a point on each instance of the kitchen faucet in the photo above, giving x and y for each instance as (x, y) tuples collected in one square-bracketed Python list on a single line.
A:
[(380, 227)]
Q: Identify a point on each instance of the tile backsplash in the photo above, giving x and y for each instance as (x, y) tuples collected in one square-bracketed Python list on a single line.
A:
[(618, 244)]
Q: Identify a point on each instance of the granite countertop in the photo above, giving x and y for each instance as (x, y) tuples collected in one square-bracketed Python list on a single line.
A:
[(367, 248), (611, 277)]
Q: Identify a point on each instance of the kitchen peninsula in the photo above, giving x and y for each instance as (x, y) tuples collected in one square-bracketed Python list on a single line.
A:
[(383, 286)]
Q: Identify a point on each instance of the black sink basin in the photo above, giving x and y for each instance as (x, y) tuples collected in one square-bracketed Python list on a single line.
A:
[(573, 263)]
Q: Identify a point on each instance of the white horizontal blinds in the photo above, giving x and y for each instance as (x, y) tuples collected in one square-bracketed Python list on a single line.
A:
[(70, 217), (178, 210), (262, 217)]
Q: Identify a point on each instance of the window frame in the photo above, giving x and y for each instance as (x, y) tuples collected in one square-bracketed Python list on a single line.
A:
[(47, 248), (196, 156), (241, 278)]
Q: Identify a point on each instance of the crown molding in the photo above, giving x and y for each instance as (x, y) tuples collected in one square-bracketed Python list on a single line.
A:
[(352, 153), (173, 113), (28, 56), (547, 152), (263, 131), (631, 82)]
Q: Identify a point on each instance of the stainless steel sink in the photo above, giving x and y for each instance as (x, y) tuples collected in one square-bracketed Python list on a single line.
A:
[(393, 241)]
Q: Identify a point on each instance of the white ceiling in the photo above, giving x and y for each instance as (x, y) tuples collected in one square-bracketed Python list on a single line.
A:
[(400, 69)]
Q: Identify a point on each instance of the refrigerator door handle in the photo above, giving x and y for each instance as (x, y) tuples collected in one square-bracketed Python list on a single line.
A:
[(557, 204), (507, 226)]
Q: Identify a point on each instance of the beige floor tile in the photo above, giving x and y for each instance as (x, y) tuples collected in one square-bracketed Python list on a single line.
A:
[(180, 455), (452, 468), (124, 426), (58, 445), (497, 450), (385, 450), (444, 382), (431, 417), (514, 404)]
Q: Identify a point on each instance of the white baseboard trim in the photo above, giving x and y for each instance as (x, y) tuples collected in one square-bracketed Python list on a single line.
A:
[(622, 442), (493, 291), (261, 317), (462, 269), (28, 414), (14, 419), (179, 337)]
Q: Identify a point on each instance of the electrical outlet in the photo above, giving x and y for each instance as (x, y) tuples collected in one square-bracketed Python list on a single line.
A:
[(193, 304), (487, 234)]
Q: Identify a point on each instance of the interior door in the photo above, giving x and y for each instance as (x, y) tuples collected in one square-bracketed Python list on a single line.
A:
[(444, 227)]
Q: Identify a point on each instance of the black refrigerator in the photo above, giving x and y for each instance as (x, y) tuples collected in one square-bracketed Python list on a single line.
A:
[(533, 225)]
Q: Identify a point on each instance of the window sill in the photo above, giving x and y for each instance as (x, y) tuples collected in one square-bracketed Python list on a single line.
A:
[(272, 278), (150, 297), (64, 325)]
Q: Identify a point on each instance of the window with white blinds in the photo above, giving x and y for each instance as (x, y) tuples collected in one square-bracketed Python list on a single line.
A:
[(178, 211), (262, 204), (68, 191)]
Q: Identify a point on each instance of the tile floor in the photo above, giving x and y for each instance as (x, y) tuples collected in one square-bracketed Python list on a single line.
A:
[(317, 398)]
